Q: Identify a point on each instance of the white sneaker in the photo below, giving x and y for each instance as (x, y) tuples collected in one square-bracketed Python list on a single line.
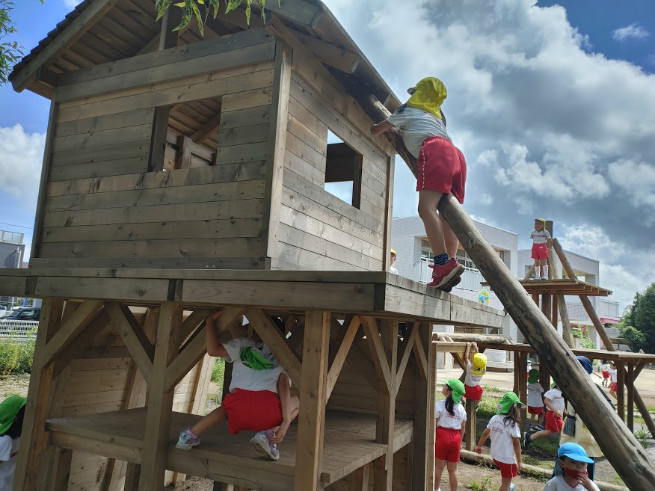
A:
[(262, 444), (544, 277)]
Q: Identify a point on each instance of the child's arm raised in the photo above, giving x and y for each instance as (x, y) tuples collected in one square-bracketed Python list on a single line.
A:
[(378, 129), (214, 347)]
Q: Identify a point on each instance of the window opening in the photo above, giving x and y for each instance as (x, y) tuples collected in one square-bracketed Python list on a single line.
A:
[(343, 171)]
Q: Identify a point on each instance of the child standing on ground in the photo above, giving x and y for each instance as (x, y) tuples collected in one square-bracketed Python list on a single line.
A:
[(441, 170), (535, 401), (614, 377), (573, 460), (505, 431), (259, 400), (542, 243), (476, 367), (450, 420), (12, 411), (555, 405), (605, 371)]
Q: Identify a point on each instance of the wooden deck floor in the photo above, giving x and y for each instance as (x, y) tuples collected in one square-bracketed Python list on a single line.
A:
[(349, 445)]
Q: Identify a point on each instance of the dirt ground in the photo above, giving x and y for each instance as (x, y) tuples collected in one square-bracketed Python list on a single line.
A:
[(470, 476)]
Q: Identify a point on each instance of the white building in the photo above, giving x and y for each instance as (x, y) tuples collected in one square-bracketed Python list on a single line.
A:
[(413, 253)]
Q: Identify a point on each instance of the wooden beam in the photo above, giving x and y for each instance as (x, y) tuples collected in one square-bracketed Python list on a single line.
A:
[(567, 333), (191, 323), (71, 33), (421, 358), (202, 132), (74, 349), (311, 416), (188, 357), (617, 443), (329, 54), (272, 338), (342, 353), (630, 381), (135, 339), (160, 400), (70, 328), (31, 465), (61, 468), (586, 303), (183, 154), (620, 391), (298, 11), (423, 432), (378, 355), (404, 360)]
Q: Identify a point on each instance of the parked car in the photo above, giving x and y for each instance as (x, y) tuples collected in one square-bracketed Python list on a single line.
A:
[(24, 314), (3, 310)]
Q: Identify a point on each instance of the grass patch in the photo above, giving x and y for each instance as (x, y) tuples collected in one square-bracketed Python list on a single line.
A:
[(16, 357), (218, 371)]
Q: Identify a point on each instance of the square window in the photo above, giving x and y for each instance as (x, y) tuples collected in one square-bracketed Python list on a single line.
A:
[(343, 171)]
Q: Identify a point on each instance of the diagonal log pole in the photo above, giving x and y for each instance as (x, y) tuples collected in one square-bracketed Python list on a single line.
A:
[(618, 444)]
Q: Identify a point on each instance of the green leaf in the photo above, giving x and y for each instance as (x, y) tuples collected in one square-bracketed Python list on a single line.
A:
[(199, 19), (186, 17), (248, 11), (231, 5)]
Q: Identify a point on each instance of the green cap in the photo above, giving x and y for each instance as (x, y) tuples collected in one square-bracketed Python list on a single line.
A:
[(457, 387), (508, 400), (533, 376), (8, 410)]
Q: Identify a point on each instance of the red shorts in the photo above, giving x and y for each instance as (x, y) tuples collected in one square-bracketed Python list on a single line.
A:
[(507, 470), (614, 387), (252, 410), (553, 423), (473, 393), (447, 443), (535, 410), (606, 374), (539, 251), (441, 168)]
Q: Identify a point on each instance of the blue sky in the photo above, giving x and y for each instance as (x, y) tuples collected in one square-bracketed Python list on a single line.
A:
[(553, 104)]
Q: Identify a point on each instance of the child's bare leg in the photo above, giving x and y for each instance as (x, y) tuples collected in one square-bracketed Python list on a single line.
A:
[(217, 416), (450, 239), (505, 483), (540, 434), (452, 476), (290, 407), (439, 466), (427, 210)]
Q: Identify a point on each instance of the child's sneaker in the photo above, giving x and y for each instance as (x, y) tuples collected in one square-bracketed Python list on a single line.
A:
[(261, 442), (545, 277), (535, 277), (187, 439), (527, 440), (512, 487), (442, 274)]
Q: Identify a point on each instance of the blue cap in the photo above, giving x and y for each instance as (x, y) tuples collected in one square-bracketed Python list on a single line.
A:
[(574, 452), (586, 364)]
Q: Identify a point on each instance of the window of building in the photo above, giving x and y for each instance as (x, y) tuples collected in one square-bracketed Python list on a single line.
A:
[(343, 171), (185, 135)]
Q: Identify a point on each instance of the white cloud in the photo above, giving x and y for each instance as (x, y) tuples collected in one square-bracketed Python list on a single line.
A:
[(633, 31), (21, 155), (637, 181)]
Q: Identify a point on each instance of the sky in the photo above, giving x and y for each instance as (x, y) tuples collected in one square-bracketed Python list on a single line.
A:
[(552, 103)]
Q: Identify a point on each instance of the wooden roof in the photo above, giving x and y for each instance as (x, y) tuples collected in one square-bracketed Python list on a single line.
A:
[(101, 31), (378, 293)]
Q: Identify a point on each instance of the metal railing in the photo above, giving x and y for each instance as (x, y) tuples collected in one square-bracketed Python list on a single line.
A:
[(21, 331), (11, 237), (471, 278)]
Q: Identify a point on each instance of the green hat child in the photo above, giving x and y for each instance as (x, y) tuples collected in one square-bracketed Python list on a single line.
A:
[(508, 400), (457, 389), (533, 376), (9, 409)]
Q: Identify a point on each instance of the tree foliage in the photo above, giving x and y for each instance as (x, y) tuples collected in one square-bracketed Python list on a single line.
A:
[(10, 51), (638, 323)]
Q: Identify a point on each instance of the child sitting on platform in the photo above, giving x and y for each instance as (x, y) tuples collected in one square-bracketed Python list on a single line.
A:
[(555, 405), (476, 367), (573, 460), (450, 417), (535, 402), (259, 400), (12, 410), (505, 431)]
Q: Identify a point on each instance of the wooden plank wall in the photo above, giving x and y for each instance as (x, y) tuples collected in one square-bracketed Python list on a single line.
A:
[(317, 229), (102, 382), (103, 208)]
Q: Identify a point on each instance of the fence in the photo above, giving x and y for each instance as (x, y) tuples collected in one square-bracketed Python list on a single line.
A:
[(471, 278), (21, 331)]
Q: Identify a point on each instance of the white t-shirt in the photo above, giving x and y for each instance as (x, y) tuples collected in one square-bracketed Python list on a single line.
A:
[(502, 446), (605, 367), (8, 454), (471, 379), (556, 399), (540, 236), (447, 420), (613, 375), (534, 395), (415, 126), (393, 269), (558, 483), (244, 377)]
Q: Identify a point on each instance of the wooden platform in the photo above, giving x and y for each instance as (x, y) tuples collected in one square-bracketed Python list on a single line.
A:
[(349, 444), (564, 287), (379, 293)]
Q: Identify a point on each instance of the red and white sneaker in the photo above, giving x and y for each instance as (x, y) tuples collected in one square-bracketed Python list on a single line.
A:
[(445, 274)]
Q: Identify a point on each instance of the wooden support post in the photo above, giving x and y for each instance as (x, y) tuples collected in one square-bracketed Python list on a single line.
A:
[(523, 382), (517, 369), (567, 334), (629, 383), (620, 391), (311, 416), (61, 469), (469, 436), (423, 435), (386, 415), (160, 399), (31, 467), (553, 315), (360, 478), (617, 443)]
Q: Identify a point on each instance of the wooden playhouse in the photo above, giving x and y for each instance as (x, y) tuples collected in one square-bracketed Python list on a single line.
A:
[(183, 174)]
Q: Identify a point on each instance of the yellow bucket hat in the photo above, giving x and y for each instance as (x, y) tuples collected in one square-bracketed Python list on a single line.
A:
[(428, 95), (479, 365)]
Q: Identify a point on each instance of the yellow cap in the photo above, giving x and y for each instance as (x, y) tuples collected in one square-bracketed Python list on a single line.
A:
[(428, 95), (393, 251), (479, 364), (542, 220)]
